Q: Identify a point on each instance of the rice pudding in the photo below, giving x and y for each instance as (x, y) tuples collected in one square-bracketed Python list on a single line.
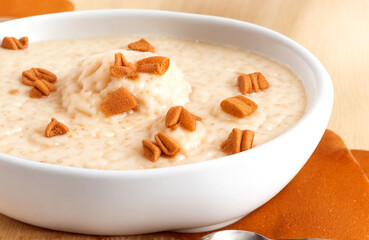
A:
[(200, 76)]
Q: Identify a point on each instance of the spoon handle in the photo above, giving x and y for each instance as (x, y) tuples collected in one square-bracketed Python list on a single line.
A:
[(306, 239)]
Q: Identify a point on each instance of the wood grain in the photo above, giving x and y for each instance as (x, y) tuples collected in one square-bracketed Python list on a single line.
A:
[(337, 32)]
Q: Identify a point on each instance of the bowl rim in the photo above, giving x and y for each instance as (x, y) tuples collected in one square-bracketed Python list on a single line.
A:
[(325, 91)]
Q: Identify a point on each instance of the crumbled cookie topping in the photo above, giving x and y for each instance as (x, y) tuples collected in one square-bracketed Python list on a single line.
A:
[(55, 128), (118, 101), (238, 106), (120, 60), (44, 87), (33, 74), (238, 141), (41, 88), (123, 68), (167, 145), (252, 82), (151, 150), (142, 45), (120, 71), (121, 100), (164, 145), (153, 65), (35, 93), (179, 115), (15, 44)]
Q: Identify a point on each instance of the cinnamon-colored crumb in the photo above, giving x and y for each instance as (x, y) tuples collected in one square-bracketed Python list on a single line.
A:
[(172, 116), (252, 82), (167, 145), (35, 93), (13, 91), (33, 74), (238, 106), (120, 60), (187, 120), (29, 77), (164, 145), (118, 101), (15, 44), (238, 141), (247, 140), (41, 80), (153, 68), (141, 45), (42, 87), (151, 151), (55, 128), (153, 65), (45, 75), (49, 85), (179, 115), (123, 68), (233, 143), (120, 71)]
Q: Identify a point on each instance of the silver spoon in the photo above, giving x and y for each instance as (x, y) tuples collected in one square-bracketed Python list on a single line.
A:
[(243, 235)]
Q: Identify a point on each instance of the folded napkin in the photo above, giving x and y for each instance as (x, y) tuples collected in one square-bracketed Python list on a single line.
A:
[(328, 198), (25, 8), (362, 158)]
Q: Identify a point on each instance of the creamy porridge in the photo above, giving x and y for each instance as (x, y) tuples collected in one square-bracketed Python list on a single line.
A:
[(199, 77)]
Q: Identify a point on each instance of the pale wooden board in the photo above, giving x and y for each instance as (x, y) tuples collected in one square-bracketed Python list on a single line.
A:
[(337, 32)]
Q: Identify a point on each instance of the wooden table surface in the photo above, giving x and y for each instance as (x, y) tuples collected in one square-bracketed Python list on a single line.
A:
[(336, 32)]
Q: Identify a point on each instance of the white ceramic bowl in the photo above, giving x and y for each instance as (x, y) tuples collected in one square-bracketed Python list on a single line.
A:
[(194, 197)]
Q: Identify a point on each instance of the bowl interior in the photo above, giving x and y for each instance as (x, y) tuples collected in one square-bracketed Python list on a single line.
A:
[(217, 30), (228, 32)]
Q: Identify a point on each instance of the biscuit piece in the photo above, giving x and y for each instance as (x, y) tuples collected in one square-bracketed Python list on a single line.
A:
[(153, 65), (253, 82), (15, 44), (187, 120), (33, 74), (151, 151), (167, 145), (41, 88), (120, 60), (35, 93), (238, 141), (118, 101), (120, 71), (123, 68), (55, 128), (172, 117), (238, 106), (142, 45), (179, 115)]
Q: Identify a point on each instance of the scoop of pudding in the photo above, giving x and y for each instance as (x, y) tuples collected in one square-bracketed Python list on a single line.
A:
[(86, 86), (187, 140)]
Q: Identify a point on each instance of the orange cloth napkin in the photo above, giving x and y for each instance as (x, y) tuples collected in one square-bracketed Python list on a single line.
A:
[(362, 158), (25, 8), (329, 198)]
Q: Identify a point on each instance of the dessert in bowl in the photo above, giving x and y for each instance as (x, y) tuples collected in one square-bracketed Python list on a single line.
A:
[(158, 193)]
